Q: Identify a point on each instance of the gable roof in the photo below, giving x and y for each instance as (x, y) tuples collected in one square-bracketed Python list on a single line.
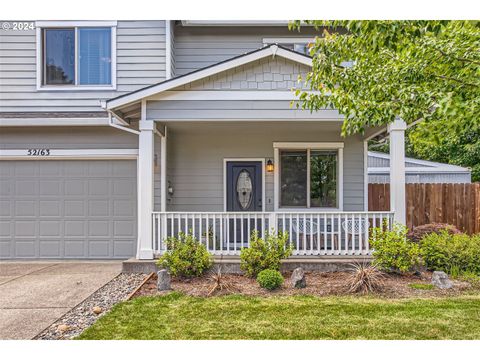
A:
[(269, 50)]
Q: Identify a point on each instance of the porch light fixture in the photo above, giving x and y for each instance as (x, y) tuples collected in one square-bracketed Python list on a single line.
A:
[(270, 166), (170, 189)]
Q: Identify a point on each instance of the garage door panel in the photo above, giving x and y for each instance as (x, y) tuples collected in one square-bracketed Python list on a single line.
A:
[(25, 248), (75, 249), (98, 187), (99, 248), (74, 208), (50, 208), (25, 208), (123, 248), (26, 188), (25, 228), (68, 209), (99, 207), (49, 248), (75, 187)]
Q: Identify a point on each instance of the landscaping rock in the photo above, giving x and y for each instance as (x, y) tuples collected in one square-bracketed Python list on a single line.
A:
[(63, 327), (97, 310), (441, 280), (163, 282), (298, 278)]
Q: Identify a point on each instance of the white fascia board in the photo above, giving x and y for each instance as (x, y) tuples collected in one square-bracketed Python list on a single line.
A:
[(213, 70), (308, 145), (54, 122), (420, 170), (234, 22), (56, 154)]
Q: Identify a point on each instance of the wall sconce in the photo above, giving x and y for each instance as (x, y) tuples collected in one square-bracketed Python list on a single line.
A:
[(270, 166), (170, 189)]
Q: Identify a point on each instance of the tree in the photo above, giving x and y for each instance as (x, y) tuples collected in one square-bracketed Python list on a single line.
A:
[(415, 70)]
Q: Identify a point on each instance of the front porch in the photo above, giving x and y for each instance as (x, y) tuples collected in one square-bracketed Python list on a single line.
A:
[(221, 160)]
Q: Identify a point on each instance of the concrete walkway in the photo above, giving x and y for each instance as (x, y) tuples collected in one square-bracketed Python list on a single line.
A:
[(35, 294)]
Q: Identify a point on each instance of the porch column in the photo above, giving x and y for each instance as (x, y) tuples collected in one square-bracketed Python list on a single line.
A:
[(145, 189), (397, 169)]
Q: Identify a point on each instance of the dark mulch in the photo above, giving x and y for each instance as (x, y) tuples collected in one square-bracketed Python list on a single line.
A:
[(318, 283)]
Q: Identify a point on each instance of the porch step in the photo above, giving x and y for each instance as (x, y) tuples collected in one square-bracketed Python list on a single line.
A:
[(231, 264)]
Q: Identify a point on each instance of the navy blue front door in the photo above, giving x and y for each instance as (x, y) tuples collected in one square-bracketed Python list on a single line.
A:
[(244, 186)]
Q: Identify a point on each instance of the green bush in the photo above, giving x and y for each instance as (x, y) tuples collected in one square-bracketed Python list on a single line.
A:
[(264, 253), (185, 256), (270, 279), (453, 253), (392, 251)]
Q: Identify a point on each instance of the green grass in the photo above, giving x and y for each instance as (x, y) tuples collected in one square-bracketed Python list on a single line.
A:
[(422, 286), (177, 316)]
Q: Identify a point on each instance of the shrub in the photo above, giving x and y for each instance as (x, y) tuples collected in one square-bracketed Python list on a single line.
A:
[(270, 279), (264, 253), (421, 231), (453, 253), (185, 256), (364, 278), (392, 251)]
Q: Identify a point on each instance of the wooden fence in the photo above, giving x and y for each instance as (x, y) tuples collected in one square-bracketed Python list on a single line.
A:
[(456, 204)]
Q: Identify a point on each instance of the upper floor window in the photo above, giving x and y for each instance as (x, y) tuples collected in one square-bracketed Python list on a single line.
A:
[(77, 56)]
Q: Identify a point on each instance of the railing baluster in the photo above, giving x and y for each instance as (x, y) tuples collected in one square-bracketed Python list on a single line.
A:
[(235, 233), (241, 231)]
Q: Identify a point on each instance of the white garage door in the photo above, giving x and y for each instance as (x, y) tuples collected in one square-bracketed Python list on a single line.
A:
[(68, 209)]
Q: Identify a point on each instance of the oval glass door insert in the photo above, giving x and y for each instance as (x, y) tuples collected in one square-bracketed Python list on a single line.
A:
[(244, 189)]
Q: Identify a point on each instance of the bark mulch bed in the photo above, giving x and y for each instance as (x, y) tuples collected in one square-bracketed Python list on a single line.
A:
[(318, 284)]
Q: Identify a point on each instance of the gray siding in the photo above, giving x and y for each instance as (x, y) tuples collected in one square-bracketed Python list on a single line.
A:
[(197, 47), (195, 159), (140, 62), (66, 138)]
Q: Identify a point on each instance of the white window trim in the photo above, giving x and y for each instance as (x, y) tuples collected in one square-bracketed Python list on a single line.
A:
[(225, 160), (39, 25), (277, 146)]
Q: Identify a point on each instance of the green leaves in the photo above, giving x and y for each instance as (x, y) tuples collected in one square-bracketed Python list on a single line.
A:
[(412, 69)]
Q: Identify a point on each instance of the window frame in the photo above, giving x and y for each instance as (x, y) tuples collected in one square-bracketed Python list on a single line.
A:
[(289, 40), (40, 68), (338, 146)]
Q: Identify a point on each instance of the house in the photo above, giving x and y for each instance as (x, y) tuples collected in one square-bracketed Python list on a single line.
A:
[(117, 134), (416, 171)]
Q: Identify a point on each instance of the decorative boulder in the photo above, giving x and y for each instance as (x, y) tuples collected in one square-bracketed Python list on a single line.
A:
[(441, 280), (298, 278), (163, 282)]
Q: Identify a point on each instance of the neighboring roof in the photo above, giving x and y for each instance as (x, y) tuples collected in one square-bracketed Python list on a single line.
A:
[(234, 22), (417, 166), (269, 50)]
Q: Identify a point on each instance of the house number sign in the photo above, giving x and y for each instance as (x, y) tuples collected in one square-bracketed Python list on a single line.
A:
[(38, 152)]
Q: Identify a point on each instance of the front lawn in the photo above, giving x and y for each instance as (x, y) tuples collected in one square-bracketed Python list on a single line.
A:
[(177, 316)]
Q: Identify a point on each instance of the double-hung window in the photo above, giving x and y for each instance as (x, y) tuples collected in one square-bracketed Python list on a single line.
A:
[(82, 57), (309, 176)]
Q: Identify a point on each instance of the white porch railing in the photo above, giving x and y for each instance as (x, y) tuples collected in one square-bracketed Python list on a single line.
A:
[(310, 233)]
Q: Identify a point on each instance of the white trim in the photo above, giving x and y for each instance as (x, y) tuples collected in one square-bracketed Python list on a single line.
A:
[(277, 146), (168, 49), (309, 145), (227, 65), (225, 160), (70, 154), (75, 24), (81, 23), (288, 40), (224, 95), (235, 22), (163, 171), (293, 120), (54, 122)]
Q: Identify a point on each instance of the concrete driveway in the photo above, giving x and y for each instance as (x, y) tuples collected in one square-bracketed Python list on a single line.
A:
[(35, 294)]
